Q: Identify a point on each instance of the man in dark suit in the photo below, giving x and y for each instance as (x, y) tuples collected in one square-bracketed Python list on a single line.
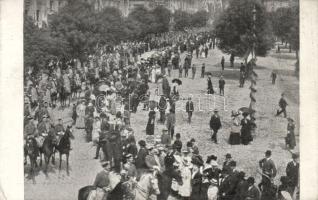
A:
[(215, 125), (222, 63), (189, 109), (282, 104), (253, 192), (221, 85), (229, 183), (141, 157), (268, 170), (102, 179), (292, 172)]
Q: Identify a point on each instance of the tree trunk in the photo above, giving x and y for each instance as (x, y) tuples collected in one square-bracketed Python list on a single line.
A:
[(297, 63)]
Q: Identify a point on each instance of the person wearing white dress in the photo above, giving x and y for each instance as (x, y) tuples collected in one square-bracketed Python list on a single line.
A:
[(80, 111), (185, 188)]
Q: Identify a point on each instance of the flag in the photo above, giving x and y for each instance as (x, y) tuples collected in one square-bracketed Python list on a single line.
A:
[(249, 56)]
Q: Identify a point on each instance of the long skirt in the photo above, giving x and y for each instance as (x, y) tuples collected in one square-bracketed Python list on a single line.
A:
[(235, 138), (150, 129)]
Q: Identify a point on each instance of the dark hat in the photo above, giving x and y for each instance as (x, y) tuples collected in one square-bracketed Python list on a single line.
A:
[(30, 117), (290, 119), (245, 114), (268, 152), (142, 143), (105, 163), (128, 155), (103, 115), (216, 110), (228, 155), (192, 140)]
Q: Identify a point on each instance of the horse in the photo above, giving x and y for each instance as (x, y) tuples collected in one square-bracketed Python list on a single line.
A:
[(48, 149), (64, 147), (141, 190), (31, 150)]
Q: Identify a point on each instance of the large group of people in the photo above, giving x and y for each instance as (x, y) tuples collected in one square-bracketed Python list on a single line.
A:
[(107, 89)]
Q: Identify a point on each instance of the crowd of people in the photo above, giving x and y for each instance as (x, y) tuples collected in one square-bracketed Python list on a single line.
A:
[(107, 89)]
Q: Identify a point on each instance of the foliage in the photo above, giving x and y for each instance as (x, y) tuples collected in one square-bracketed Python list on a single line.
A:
[(199, 19), (234, 29), (40, 47), (182, 20)]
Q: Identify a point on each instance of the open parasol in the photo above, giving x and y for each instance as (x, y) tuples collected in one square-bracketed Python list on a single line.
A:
[(178, 81)]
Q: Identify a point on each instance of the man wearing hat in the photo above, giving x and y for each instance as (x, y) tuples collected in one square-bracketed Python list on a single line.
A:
[(292, 173), (102, 179), (226, 165), (165, 137), (290, 138), (202, 70), (253, 192), (229, 183), (268, 170), (282, 104), (221, 85), (215, 125), (141, 157), (189, 109), (152, 159)]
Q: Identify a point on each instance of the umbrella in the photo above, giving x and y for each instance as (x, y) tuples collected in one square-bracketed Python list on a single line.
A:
[(178, 81), (246, 110)]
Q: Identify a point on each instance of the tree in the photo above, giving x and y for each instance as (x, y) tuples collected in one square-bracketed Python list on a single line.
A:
[(162, 19), (199, 18), (145, 20), (40, 47), (182, 20), (234, 29), (76, 23)]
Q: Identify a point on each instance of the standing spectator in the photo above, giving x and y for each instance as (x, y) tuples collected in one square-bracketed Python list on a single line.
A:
[(273, 76), (177, 143), (141, 158), (215, 125), (171, 122), (226, 165), (246, 136), (165, 137), (210, 85), (242, 79), (292, 173), (162, 109), (228, 184), (290, 138), (202, 70), (194, 69), (252, 192), (206, 50), (282, 104), (180, 70), (196, 181), (197, 51), (222, 63), (268, 170), (221, 85), (165, 86), (232, 60), (189, 109), (150, 128), (185, 187)]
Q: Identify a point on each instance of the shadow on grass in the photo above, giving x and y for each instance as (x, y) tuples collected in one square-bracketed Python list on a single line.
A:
[(289, 56)]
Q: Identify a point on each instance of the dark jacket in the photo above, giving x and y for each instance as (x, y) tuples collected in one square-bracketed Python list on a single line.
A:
[(141, 158), (196, 184), (189, 106), (268, 167), (215, 122), (221, 83), (292, 172), (282, 103), (253, 193)]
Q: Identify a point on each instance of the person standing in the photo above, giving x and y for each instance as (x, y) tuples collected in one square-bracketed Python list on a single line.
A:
[(141, 158), (268, 170), (246, 136), (150, 128), (210, 85), (290, 138), (165, 86), (196, 179), (171, 122), (162, 109), (282, 104), (165, 137), (202, 70), (194, 69), (180, 70), (232, 60), (222, 63), (178, 143), (273, 76), (292, 173), (189, 109), (215, 125), (253, 192), (221, 85), (80, 110)]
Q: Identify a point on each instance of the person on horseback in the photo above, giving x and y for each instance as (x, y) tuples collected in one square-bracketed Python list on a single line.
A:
[(29, 132), (59, 128), (102, 180)]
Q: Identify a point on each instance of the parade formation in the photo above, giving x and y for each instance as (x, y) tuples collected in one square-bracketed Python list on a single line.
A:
[(101, 101)]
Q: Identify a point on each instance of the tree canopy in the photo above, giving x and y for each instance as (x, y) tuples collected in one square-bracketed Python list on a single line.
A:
[(184, 20), (234, 29)]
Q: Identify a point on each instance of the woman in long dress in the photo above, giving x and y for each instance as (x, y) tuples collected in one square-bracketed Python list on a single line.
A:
[(235, 129), (80, 110), (210, 86), (290, 138), (150, 128), (185, 188), (246, 136)]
